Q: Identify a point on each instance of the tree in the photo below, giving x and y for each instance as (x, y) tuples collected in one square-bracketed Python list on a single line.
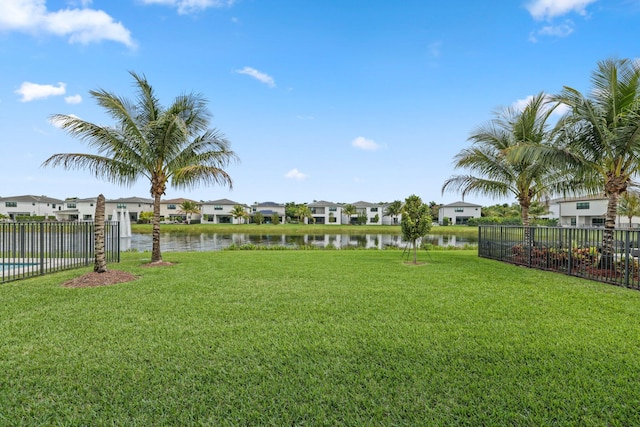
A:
[(168, 146), (495, 171), (629, 205), (303, 211), (598, 141), (349, 210), (275, 218), (239, 213), (435, 209), (393, 210), (145, 217), (538, 209), (415, 222), (189, 207), (100, 263), (258, 218)]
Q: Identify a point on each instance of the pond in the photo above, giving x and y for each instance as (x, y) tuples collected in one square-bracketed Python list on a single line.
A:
[(186, 242)]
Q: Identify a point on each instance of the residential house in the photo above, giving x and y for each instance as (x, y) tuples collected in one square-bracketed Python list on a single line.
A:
[(170, 210), (75, 209), (29, 205), (267, 209), (459, 212), (220, 212), (134, 206), (372, 211), (324, 212), (587, 211)]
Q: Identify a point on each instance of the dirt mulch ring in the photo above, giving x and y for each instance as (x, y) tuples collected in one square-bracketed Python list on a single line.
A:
[(93, 279), (109, 277)]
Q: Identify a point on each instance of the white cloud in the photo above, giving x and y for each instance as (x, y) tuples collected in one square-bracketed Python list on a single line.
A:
[(80, 25), (74, 99), (190, 6), (295, 174), (31, 91), (548, 9), (562, 30), (365, 144), (258, 75)]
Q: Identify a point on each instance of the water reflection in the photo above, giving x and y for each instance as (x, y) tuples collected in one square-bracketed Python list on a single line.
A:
[(186, 242)]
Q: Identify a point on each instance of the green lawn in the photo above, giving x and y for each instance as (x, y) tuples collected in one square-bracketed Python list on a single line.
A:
[(329, 338)]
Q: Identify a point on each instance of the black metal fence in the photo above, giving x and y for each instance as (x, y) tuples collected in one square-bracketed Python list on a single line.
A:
[(573, 251), (34, 248)]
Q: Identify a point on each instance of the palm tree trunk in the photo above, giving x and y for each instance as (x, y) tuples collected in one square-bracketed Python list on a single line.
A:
[(607, 257), (156, 256), (100, 264), (524, 214)]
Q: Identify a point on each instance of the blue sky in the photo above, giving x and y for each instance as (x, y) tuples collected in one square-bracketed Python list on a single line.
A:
[(338, 100)]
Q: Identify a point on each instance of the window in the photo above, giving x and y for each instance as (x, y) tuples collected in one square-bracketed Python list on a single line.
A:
[(71, 205), (121, 206), (217, 208), (573, 222), (582, 205), (458, 210), (53, 205), (374, 209), (87, 217), (90, 204), (333, 209), (171, 207), (11, 204), (597, 222)]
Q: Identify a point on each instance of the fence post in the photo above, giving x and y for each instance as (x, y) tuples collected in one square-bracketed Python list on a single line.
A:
[(42, 248)]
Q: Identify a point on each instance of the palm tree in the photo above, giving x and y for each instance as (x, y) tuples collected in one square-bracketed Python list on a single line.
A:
[(239, 212), (495, 171), (629, 205), (599, 138), (349, 210), (538, 209), (189, 207), (393, 210), (303, 211), (168, 146)]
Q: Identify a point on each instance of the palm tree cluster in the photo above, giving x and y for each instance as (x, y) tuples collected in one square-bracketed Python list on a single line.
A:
[(593, 148)]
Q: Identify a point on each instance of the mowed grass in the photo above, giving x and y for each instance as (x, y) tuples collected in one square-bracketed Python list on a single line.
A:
[(320, 338)]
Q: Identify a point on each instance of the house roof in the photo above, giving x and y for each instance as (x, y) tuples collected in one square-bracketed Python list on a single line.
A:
[(269, 204), (323, 203), (31, 198), (461, 204), (131, 200), (362, 204), (580, 198), (223, 202), (177, 201)]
